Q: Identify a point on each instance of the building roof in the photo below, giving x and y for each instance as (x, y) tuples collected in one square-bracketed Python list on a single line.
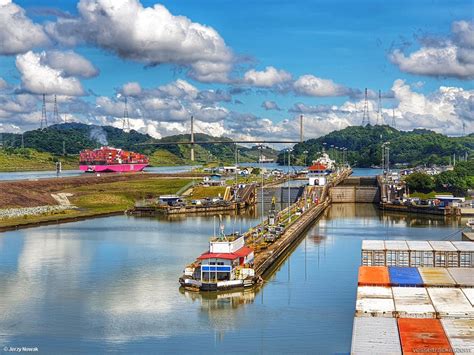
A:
[(244, 251), (317, 166)]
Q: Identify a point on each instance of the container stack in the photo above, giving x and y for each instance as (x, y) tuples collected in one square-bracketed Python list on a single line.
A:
[(417, 253), (415, 297)]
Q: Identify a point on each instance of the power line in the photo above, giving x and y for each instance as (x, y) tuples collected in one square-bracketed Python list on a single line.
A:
[(379, 110), (365, 117), (394, 125), (56, 117), (44, 118), (126, 119)]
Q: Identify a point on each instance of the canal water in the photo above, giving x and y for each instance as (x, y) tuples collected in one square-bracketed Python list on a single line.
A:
[(33, 175), (111, 284)]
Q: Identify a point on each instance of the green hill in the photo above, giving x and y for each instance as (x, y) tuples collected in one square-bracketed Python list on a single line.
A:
[(364, 146), (68, 139)]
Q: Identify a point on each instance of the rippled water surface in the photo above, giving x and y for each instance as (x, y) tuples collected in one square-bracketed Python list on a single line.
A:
[(111, 284)]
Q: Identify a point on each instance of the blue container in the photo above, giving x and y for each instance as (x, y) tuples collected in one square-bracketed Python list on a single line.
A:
[(405, 276)]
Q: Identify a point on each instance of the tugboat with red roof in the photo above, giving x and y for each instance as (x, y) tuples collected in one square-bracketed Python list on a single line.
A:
[(226, 265)]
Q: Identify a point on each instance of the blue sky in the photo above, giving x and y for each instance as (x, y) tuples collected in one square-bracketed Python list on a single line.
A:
[(347, 42)]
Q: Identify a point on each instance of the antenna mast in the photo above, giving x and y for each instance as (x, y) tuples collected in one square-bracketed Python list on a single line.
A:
[(365, 117), (126, 119), (394, 125), (44, 118)]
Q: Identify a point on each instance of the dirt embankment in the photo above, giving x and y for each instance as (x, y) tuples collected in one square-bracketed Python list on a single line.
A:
[(27, 193)]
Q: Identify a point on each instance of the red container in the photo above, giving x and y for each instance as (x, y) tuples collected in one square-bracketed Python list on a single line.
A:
[(423, 336), (373, 276)]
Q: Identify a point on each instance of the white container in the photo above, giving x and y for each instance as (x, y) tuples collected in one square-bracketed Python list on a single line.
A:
[(464, 277), (460, 333), (412, 302), (445, 254), (450, 303), (373, 253), (421, 253), (436, 277), (374, 301), (375, 336), (466, 253), (469, 293), (397, 253)]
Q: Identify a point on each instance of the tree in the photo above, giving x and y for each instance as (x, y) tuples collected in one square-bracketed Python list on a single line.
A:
[(420, 182)]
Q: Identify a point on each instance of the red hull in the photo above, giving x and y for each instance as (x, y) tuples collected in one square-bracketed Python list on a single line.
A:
[(113, 168)]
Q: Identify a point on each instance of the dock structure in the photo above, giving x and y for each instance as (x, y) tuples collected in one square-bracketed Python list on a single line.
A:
[(269, 248), (427, 308)]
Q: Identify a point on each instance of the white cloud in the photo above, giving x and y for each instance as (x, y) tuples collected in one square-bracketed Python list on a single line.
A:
[(70, 63), (18, 34), (150, 35), (39, 78), (453, 57), (310, 85), (3, 84), (266, 78), (270, 105), (131, 89), (179, 89)]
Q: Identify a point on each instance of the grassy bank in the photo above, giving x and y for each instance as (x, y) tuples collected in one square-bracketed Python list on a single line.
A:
[(118, 196), (107, 197), (32, 160)]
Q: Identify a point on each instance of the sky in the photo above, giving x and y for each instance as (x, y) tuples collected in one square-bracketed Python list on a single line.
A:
[(244, 69)]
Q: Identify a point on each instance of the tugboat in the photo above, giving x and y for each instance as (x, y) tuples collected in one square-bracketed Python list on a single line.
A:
[(226, 265)]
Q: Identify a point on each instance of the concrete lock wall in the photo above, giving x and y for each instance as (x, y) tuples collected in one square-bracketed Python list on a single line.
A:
[(355, 194), (280, 194)]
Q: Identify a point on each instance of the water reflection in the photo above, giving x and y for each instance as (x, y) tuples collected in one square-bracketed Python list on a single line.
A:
[(111, 285)]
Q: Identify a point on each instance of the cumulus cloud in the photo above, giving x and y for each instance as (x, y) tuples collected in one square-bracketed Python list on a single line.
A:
[(131, 89), (310, 85), (270, 105), (39, 78), (151, 35), (18, 34), (3, 84), (266, 78), (70, 63), (452, 57)]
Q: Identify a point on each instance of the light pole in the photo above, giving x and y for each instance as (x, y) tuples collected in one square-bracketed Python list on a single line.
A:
[(289, 191), (261, 173), (305, 157)]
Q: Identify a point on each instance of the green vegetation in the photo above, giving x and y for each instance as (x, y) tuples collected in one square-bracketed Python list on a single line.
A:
[(364, 146), (457, 181), (97, 199), (24, 159), (200, 192), (69, 139), (119, 196)]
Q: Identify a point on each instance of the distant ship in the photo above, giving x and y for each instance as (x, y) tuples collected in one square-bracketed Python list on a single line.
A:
[(108, 159)]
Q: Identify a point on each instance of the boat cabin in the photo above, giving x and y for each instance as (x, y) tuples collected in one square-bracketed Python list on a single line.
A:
[(223, 257)]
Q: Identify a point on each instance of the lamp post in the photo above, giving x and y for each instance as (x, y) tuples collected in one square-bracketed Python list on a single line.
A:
[(305, 157), (289, 191), (261, 173)]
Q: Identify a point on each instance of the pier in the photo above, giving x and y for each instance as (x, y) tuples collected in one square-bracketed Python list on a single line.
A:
[(296, 218)]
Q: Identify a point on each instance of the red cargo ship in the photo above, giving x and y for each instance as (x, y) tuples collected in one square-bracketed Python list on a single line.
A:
[(108, 159)]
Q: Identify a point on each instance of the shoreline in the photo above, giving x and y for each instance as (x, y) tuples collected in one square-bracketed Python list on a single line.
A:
[(69, 219)]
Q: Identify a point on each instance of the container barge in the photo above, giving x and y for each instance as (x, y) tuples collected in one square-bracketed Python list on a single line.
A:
[(408, 310), (418, 253)]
